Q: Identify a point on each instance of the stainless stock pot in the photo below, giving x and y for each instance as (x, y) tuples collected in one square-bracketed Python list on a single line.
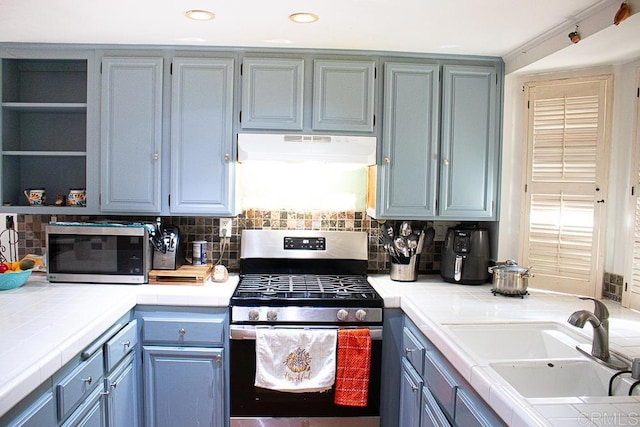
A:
[(509, 278)]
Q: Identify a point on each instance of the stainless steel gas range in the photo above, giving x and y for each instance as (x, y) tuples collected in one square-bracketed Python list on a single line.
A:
[(301, 281)]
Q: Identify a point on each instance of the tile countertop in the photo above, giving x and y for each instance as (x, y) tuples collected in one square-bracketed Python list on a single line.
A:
[(43, 325), (431, 303)]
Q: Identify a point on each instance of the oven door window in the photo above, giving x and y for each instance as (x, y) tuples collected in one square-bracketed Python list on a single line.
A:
[(250, 401), (96, 254)]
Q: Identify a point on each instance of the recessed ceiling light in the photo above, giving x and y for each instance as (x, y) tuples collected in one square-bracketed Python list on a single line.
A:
[(303, 17), (200, 15)]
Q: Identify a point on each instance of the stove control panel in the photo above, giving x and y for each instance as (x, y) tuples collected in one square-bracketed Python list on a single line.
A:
[(271, 315), (305, 243)]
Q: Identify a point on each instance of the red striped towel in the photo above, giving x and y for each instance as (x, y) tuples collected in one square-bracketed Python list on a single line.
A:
[(354, 366)]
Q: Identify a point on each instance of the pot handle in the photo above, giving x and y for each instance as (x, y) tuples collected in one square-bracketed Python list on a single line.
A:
[(511, 262)]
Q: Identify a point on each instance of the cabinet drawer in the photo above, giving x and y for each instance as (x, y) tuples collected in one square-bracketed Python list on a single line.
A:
[(439, 381), (183, 332), (75, 386), (432, 415), (120, 345), (413, 350)]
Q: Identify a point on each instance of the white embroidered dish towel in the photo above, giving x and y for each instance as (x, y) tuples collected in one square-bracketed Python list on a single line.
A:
[(296, 360)]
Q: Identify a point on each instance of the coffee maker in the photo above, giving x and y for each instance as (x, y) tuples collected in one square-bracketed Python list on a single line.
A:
[(465, 256), (168, 253)]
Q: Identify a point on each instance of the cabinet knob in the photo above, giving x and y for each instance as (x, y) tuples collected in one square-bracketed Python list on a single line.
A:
[(182, 332), (218, 358), (408, 350), (114, 384), (127, 344), (88, 380), (445, 161), (387, 160), (414, 388), (227, 157), (105, 393), (156, 156)]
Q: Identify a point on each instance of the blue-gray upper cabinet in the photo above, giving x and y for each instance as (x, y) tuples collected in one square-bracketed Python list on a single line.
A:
[(343, 95), (131, 134), (470, 140), (272, 93), (201, 136), (407, 178)]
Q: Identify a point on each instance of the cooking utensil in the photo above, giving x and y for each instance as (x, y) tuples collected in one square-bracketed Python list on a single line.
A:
[(412, 243), (509, 278), (405, 229), (401, 245), (426, 239)]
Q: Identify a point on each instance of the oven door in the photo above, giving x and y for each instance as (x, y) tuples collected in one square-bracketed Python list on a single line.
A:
[(255, 406)]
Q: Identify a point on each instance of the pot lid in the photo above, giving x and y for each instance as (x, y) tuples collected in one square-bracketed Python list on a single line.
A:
[(510, 265)]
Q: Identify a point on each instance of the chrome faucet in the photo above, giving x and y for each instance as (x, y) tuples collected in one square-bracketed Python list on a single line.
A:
[(600, 322)]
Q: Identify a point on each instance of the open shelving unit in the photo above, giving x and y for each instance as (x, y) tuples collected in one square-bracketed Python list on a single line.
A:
[(43, 130)]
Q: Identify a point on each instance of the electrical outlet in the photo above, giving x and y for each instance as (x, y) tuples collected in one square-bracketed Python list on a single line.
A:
[(225, 227), (441, 229)]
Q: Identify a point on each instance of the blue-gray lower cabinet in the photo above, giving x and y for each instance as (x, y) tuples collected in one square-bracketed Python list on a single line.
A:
[(183, 366), (90, 413), (410, 390), (433, 393), (183, 386), (122, 397), (37, 412)]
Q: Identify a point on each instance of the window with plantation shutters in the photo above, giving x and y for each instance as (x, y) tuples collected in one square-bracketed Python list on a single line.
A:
[(632, 271), (567, 153)]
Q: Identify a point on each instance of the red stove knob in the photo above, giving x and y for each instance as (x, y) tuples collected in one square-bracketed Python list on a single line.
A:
[(361, 314), (272, 315), (254, 315), (342, 314)]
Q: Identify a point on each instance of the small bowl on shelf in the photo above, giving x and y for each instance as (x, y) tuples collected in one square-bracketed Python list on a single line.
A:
[(13, 279)]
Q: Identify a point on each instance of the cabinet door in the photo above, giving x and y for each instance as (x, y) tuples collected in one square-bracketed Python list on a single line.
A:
[(409, 170), (122, 395), (131, 134), (183, 387), (201, 136), (410, 390), (343, 95), (469, 169), (272, 93)]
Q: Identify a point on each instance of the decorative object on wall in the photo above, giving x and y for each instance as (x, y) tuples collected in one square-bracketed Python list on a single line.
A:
[(574, 36), (622, 13)]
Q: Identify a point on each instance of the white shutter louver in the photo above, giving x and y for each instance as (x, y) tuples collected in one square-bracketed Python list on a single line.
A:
[(566, 140)]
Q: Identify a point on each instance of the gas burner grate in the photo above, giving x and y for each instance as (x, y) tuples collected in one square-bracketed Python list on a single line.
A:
[(304, 286)]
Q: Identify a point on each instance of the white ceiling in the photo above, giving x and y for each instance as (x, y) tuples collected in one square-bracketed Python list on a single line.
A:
[(487, 27)]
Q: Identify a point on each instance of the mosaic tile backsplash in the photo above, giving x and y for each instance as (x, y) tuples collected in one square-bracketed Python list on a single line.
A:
[(612, 286), (31, 233)]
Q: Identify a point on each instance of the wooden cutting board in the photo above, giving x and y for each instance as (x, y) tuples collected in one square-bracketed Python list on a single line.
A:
[(186, 275)]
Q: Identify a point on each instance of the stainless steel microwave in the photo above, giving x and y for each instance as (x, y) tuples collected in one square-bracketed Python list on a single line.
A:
[(98, 253)]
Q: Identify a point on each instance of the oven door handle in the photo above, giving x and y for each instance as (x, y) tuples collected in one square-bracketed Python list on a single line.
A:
[(248, 332)]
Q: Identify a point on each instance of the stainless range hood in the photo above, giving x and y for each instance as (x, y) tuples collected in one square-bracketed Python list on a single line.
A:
[(307, 148)]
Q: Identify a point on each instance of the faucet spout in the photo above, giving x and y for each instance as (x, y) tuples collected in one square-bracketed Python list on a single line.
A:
[(599, 320), (600, 346)]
